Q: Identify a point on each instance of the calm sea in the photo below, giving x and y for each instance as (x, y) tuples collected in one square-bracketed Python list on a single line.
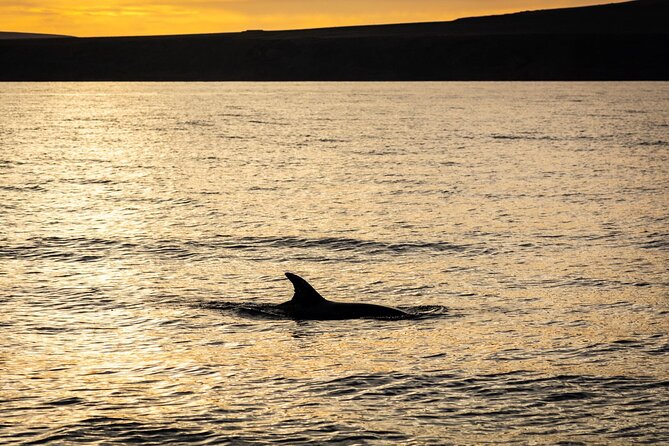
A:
[(526, 223)]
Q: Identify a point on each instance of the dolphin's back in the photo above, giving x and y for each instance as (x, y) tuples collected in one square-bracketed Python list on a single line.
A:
[(340, 310), (308, 304), (359, 310)]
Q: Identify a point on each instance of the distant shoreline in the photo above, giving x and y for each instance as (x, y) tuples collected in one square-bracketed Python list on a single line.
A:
[(621, 41)]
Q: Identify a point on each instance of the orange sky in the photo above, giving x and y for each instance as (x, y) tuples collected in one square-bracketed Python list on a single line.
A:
[(145, 17)]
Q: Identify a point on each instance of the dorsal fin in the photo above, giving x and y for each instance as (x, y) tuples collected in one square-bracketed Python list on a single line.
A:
[(305, 294)]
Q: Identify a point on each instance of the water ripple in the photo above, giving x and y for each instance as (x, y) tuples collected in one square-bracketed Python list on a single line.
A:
[(84, 249), (524, 225)]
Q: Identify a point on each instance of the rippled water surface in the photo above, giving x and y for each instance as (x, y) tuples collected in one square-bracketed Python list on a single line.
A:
[(141, 226)]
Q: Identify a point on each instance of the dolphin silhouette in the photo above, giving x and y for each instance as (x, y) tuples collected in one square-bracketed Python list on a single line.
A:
[(308, 304)]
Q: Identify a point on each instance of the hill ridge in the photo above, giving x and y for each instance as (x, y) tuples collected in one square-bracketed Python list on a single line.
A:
[(618, 41)]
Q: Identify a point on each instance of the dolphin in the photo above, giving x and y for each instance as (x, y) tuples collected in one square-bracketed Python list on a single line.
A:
[(308, 304)]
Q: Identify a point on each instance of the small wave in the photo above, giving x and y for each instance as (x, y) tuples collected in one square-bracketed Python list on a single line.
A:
[(124, 431), (312, 249), (333, 140), (348, 244), (180, 201), (658, 142), (569, 281), (525, 137), (258, 121), (656, 241), (59, 248), (8, 164), (65, 401), (177, 201), (233, 115), (196, 123), (650, 346), (427, 311), (659, 351), (373, 152), (50, 330), (28, 188), (246, 309), (529, 399), (538, 137), (167, 249), (87, 181), (244, 137)]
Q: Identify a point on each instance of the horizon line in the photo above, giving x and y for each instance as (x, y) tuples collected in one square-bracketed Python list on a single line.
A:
[(260, 30)]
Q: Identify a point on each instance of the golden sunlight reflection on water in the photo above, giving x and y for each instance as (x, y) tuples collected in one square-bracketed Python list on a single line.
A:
[(144, 225)]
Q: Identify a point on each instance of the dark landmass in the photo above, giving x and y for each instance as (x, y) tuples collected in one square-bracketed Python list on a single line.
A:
[(624, 41), (11, 35)]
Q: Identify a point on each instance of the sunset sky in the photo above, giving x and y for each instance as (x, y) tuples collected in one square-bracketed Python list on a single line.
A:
[(146, 17)]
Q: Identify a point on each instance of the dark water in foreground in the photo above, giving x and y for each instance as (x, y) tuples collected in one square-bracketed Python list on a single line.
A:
[(144, 227)]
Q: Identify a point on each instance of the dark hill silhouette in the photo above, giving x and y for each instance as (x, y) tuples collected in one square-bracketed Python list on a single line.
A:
[(624, 41), (4, 35)]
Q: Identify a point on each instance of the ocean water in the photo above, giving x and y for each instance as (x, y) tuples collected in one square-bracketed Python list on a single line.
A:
[(143, 224)]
